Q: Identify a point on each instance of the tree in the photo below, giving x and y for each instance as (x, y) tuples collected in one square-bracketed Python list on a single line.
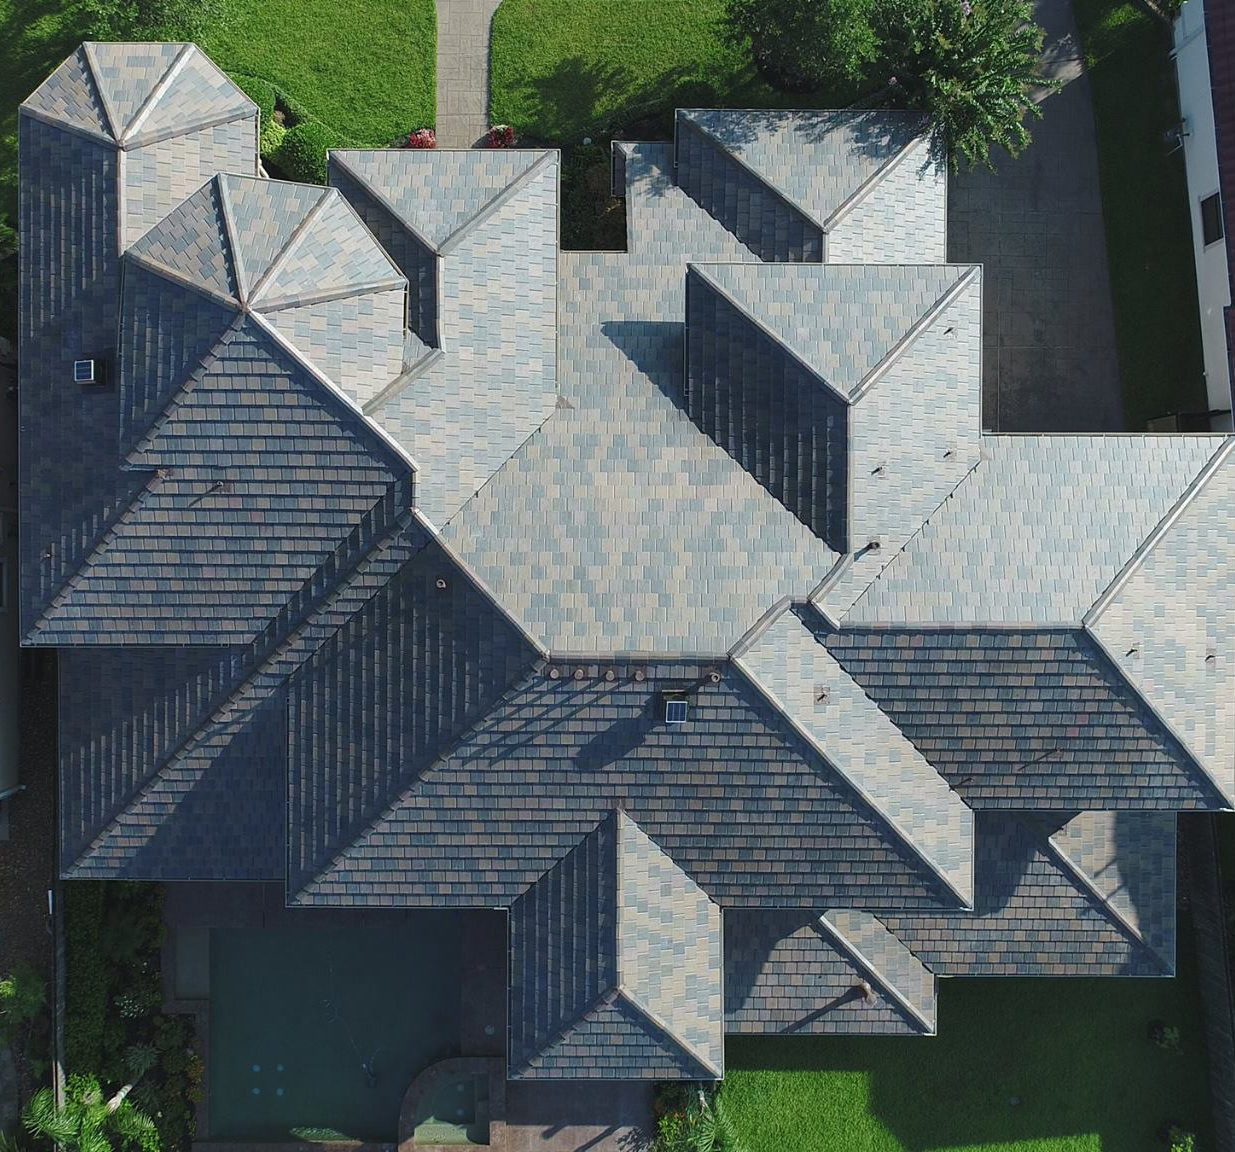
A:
[(801, 45), (90, 1122), (974, 66)]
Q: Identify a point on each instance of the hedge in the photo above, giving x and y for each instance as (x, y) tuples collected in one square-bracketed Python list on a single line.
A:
[(260, 91), (86, 983), (302, 154)]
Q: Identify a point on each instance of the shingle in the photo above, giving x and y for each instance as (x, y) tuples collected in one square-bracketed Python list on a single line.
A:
[(1034, 718), (785, 974), (616, 960), (1168, 625), (1032, 916), (1036, 532), (801, 678)]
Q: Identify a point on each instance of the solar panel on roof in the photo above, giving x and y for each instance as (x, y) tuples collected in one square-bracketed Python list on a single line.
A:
[(675, 710), (83, 372)]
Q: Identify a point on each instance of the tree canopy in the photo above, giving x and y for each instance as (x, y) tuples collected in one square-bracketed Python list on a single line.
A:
[(973, 66)]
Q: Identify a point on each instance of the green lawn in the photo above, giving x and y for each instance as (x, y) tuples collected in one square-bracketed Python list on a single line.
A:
[(1145, 201), (367, 68), (564, 69), (1074, 1053)]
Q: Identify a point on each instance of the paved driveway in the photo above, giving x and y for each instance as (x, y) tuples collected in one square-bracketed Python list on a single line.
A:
[(1049, 361)]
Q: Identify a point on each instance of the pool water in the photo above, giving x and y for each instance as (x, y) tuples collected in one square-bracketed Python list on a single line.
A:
[(325, 1028)]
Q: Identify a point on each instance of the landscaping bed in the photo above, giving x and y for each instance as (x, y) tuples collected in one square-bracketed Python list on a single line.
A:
[(114, 1027), (1145, 205), (1017, 1066)]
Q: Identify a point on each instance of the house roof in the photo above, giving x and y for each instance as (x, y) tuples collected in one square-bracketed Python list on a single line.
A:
[(402, 529), (615, 965)]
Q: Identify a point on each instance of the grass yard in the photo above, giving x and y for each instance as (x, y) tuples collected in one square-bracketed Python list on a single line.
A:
[(1145, 202), (366, 68), (564, 69), (1074, 1053)]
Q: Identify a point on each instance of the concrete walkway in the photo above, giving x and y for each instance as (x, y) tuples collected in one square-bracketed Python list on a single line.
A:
[(566, 1116), (463, 71), (1049, 359)]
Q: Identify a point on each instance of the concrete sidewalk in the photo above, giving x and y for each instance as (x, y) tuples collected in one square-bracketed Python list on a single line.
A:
[(1049, 357), (463, 71)]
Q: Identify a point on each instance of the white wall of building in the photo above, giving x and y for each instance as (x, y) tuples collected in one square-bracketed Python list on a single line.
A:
[(1201, 160)]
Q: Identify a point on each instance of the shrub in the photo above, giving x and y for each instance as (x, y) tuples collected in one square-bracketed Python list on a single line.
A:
[(272, 137), (501, 136), (302, 154), (1181, 1140), (260, 91), (86, 983), (421, 138), (1164, 1035), (801, 45)]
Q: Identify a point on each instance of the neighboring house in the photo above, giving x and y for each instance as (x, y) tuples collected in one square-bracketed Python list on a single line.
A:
[(672, 600), (1205, 71)]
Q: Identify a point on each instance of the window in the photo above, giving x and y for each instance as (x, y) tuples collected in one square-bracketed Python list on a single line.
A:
[(1211, 219)]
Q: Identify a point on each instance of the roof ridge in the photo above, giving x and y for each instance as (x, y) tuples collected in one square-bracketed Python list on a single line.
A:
[(1081, 878), (325, 295), (64, 126), (1193, 489), (228, 707), (871, 183), (154, 265), (188, 125), (872, 969), (1167, 726), (833, 578), (492, 205), (232, 253), (396, 386), (251, 297), (382, 200), (395, 451), (908, 338), (632, 1001), (878, 808), (444, 756), (92, 66), (697, 270), (683, 116), (155, 93)]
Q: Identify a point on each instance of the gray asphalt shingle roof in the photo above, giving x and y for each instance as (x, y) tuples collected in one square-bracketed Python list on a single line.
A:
[(1037, 914), (1035, 718), (615, 965), (786, 972), (406, 527)]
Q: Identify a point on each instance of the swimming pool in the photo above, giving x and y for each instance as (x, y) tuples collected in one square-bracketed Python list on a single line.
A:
[(317, 1032)]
